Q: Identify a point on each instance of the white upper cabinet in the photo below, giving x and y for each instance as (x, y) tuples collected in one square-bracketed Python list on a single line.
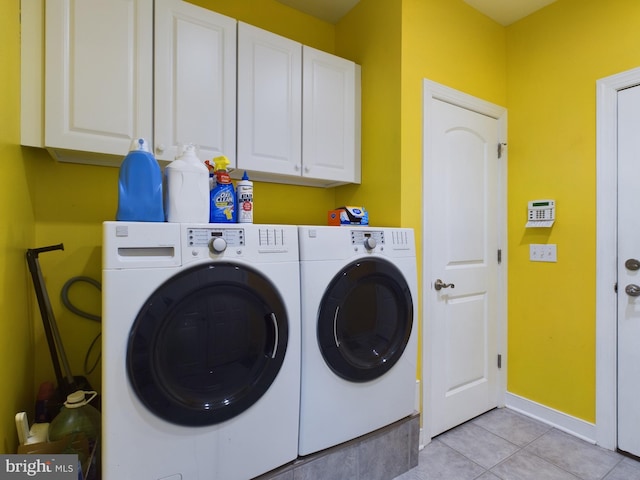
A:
[(195, 81), (298, 111), (269, 102), (330, 117), (176, 73), (101, 91), (98, 83)]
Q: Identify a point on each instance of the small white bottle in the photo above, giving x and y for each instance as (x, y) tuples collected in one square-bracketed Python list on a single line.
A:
[(244, 193), (187, 189)]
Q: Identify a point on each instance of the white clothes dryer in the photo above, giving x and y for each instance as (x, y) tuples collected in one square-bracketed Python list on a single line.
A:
[(359, 331), (201, 350)]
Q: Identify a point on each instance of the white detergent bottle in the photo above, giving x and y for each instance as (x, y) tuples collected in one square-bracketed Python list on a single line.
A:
[(244, 194), (187, 189)]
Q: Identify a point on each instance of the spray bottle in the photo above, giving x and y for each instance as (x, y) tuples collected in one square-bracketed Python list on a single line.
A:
[(223, 195)]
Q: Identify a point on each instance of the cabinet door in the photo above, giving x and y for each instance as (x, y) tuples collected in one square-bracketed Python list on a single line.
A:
[(331, 117), (98, 87), (269, 102), (195, 81)]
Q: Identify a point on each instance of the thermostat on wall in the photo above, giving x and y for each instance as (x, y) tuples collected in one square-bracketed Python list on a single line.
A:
[(542, 213)]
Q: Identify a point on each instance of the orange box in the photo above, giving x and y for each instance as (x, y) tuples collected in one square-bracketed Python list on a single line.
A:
[(347, 216)]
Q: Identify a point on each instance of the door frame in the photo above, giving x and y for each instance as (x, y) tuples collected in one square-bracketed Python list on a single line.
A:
[(435, 91), (606, 253)]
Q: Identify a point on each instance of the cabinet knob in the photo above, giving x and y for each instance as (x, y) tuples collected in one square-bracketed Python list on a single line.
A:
[(160, 148), (297, 167)]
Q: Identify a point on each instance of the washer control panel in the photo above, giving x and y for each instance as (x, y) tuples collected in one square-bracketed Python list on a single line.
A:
[(216, 239), (370, 239)]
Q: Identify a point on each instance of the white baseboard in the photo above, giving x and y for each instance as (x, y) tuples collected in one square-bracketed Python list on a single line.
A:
[(418, 403), (423, 441), (572, 425)]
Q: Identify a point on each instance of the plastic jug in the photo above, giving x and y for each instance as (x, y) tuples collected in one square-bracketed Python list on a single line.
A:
[(140, 186), (187, 189), (77, 416)]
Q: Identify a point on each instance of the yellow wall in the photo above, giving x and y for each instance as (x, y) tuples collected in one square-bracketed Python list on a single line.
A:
[(554, 58), (16, 235), (370, 34), (454, 45)]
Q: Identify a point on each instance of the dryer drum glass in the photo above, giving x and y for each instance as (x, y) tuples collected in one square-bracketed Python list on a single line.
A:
[(365, 320), (207, 344)]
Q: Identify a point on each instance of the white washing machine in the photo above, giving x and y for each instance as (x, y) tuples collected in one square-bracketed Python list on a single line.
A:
[(201, 350), (359, 331)]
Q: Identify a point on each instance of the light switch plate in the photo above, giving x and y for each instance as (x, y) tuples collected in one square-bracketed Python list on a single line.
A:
[(543, 252)]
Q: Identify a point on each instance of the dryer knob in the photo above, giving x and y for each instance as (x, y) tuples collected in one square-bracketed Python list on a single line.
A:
[(369, 243), (218, 245)]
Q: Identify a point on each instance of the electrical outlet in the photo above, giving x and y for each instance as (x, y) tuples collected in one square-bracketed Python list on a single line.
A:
[(543, 252)]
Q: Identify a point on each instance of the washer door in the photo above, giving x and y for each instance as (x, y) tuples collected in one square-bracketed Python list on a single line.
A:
[(207, 344), (365, 320)]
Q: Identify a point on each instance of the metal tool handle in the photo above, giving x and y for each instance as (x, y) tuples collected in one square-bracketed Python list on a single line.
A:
[(439, 285), (66, 381)]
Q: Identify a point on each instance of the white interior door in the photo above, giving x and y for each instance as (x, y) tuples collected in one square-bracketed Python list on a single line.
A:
[(463, 232), (628, 270)]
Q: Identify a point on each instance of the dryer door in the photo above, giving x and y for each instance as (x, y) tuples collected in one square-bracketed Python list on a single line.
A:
[(365, 319), (207, 344)]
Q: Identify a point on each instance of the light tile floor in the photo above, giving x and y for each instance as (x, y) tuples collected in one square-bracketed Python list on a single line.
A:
[(505, 445)]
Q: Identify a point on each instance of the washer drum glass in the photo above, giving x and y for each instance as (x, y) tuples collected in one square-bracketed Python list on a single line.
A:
[(365, 320), (207, 344)]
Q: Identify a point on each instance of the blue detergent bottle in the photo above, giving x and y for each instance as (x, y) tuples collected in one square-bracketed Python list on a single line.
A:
[(140, 186), (223, 195)]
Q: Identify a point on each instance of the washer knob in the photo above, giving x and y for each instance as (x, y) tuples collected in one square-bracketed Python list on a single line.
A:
[(218, 245), (370, 243)]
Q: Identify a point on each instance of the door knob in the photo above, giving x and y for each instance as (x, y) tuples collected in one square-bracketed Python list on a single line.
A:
[(632, 264), (632, 290), (439, 285)]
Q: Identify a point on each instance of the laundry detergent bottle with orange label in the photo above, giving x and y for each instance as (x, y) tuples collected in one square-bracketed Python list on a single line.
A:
[(223, 194)]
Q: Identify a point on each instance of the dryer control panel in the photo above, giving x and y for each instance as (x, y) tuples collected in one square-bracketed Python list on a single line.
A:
[(368, 238)]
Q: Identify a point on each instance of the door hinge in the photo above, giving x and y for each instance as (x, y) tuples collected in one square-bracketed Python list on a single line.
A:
[(501, 146), (499, 256), (615, 287), (499, 361)]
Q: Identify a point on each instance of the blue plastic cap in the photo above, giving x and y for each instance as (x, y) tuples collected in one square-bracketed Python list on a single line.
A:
[(245, 176)]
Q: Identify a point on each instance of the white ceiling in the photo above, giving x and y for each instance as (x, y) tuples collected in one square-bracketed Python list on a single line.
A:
[(504, 12)]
